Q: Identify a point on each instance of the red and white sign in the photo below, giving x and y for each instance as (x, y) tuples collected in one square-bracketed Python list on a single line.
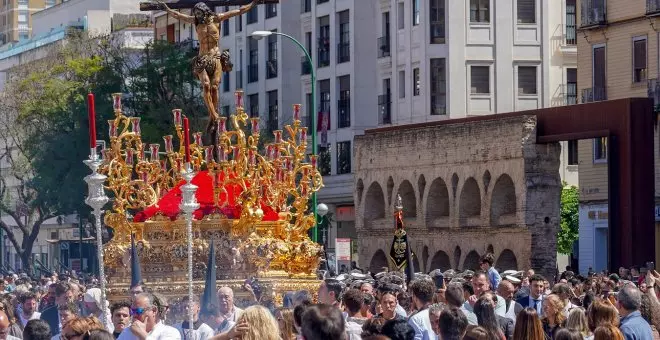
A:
[(343, 249)]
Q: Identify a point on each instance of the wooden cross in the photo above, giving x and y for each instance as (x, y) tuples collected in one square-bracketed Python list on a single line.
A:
[(154, 6)]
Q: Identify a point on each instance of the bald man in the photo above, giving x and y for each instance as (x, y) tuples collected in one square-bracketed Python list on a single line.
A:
[(228, 311), (4, 328), (507, 290)]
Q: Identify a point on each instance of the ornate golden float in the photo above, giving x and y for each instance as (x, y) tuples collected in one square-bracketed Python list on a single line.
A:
[(253, 203)]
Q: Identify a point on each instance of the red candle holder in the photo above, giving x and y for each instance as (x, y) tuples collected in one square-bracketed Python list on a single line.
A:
[(112, 128), (222, 153), (168, 143), (208, 154), (313, 159), (221, 124), (154, 152), (135, 125), (116, 102), (129, 156), (238, 95), (178, 117), (278, 136), (197, 136), (141, 155), (303, 135), (296, 112), (252, 157), (255, 125)]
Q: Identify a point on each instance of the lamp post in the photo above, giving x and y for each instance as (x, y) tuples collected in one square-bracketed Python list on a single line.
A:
[(262, 34)]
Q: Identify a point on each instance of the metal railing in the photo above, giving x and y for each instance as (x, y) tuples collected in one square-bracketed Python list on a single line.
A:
[(594, 13), (384, 109), (343, 52), (271, 68), (652, 7), (594, 94), (438, 105), (323, 51), (570, 92), (344, 110), (305, 67), (383, 47)]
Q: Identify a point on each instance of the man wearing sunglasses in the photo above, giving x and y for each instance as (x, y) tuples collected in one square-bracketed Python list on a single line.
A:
[(147, 324)]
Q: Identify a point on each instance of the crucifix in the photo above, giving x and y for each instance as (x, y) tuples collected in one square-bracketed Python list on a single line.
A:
[(210, 63)]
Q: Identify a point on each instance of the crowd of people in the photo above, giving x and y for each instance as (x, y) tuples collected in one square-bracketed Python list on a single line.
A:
[(449, 305)]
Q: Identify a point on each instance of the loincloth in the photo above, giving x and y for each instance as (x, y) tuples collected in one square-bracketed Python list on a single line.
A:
[(209, 63)]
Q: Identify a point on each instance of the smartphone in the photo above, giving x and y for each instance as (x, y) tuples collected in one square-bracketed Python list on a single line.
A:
[(650, 265)]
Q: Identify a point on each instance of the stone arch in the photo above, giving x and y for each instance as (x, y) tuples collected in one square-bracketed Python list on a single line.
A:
[(425, 258), (454, 184), (471, 261), (421, 185), (440, 261), (390, 187), (503, 202), (378, 261), (374, 203), (470, 203), (416, 268), (490, 249), (486, 180), (457, 257), (437, 204), (506, 261), (359, 188), (408, 198)]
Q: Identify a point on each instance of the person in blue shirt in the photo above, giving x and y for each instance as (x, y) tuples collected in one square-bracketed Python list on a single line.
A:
[(494, 277), (633, 326)]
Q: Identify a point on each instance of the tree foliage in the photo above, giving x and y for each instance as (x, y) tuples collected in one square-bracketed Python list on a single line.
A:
[(569, 225)]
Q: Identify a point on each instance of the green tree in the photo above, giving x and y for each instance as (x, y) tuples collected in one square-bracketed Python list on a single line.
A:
[(569, 225)]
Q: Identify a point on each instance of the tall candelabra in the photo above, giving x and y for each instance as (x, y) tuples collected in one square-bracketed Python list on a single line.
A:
[(188, 206), (96, 199)]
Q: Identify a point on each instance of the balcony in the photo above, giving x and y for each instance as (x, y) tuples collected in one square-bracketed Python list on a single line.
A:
[(594, 13), (652, 7), (253, 73), (569, 92), (305, 67), (239, 79), (383, 47), (594, 94), (384, 109), (343, 52), (344, 108), (323, 51), (654, 93), (271, 68)]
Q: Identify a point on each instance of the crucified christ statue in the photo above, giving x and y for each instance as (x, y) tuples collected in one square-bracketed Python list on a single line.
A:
[(209, 64)]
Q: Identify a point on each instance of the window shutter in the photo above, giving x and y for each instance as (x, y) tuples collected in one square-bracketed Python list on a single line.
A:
[(480, 79), (640, 54)]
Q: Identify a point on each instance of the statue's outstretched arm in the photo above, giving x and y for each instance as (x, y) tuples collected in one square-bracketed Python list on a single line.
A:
[(175, 14), (226, 15)]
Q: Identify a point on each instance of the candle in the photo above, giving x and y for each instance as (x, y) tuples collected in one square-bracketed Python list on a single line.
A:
[(91, 111), (255, 125), (116, 102), (177, 117), (168, 143), (296, 112), (112, 128), (239, 98), (186, 138), (221, 124), (313, 159), (303, 135), (154, 151)]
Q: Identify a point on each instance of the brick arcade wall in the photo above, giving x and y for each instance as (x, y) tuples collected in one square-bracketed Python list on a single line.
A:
[(467, 188)]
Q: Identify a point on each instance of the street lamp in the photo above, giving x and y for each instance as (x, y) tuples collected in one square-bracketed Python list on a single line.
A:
[(321, 211), (262, 34)]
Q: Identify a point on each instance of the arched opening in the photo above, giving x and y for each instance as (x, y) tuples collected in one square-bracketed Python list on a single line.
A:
[(374, 207), (457, 257), (471, 261), (506, 261), (440, 261), (425, 258), (470, 203), (503, 202), (421, 186), (489, 249), (408, 199), (359, 189), (378, 262), (437, 204), (416, 264), (390, 187)]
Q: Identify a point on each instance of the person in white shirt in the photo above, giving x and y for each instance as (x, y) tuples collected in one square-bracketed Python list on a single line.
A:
[(422, 291), (201, 331), (93, 305), (229, 312), (480, 284), (29, 308), (147, 324)]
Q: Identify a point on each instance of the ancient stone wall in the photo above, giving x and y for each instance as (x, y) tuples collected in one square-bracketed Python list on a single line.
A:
[(467, 188)]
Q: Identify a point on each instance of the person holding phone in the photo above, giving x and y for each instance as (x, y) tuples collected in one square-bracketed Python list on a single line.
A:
[(147, 324)]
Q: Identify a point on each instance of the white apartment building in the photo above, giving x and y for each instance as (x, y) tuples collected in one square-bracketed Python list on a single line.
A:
[(385, 62)]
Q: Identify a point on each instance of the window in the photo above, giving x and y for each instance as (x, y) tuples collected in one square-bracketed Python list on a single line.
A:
[(324, 160), (402, 84), (480, 11), (321, 1), (599, 74), (225, 82), (305, 6), (271, 10), (254, 104), (344, 102), (639, 59), (480, 79), (526, 11), (239, 72), (437, 21), (415, 12), (527, 80), (324, 95), (416, 84), (239, 23), (225, 111), (343, 158), (272, 111), (324, 42), (400, 14), (600, 149), (225, 25), (571, 22), (571, 86), (22, 18), (572, 152), (253, 62), (438, 86), (253, 15), (344, 46), (271, 63)]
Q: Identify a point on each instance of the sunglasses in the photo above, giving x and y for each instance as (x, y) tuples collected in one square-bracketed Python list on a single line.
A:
[(138, 311)]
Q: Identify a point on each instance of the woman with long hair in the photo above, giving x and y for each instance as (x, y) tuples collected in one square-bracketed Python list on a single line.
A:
[(284, 318), (602, 312), (261, 324), (528, 326), (567, 334), (477, 333), (608, 332), (577, 321), (485, 312), (553, 309)]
